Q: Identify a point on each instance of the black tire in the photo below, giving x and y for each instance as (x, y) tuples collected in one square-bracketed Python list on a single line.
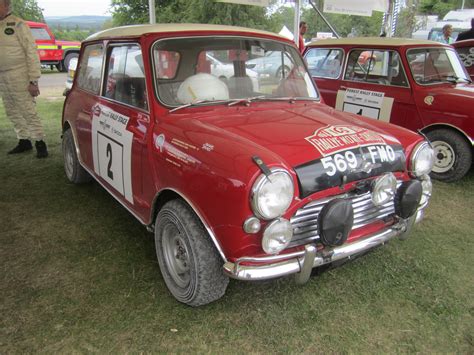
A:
[(67, 59), (279, 72), (188, 259), (453, 155), (73, 169)]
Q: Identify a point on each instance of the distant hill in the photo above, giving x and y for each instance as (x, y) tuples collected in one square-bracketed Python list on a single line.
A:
[(83, 22)]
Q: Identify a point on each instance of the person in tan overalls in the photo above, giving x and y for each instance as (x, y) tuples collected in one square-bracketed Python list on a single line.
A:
[(19, 73)]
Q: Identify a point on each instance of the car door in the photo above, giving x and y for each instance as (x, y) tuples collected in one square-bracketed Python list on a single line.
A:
[(375, 85), (119, 125), (325, 67)]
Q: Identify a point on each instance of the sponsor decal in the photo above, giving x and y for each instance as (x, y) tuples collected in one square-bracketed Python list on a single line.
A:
[(332, 139), (11, 23), (112, 149), (208, 147), (9, 31), (429, 100)]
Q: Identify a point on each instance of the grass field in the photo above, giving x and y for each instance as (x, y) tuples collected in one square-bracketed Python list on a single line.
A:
[(79, 274)]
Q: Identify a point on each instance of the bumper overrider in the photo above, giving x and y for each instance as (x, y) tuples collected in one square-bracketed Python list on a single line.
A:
[(302, 262)]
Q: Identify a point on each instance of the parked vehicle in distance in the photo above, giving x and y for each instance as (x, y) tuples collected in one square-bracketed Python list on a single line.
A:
[(416, 84), (53, 52), (465, 51), (234, 182), (271, 66)]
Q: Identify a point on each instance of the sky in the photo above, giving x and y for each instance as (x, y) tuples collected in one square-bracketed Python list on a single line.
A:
[(74, 7)]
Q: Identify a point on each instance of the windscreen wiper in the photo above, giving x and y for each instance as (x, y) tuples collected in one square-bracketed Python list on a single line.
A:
[(197, 103)]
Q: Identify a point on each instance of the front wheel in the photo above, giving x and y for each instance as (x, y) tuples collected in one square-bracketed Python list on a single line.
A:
[(453, 155), (189, 262)]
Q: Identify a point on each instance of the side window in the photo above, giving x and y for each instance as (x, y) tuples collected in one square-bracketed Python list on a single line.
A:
[(324, 62), (376, 66), (40, 34), (125, 80), (90, 68)]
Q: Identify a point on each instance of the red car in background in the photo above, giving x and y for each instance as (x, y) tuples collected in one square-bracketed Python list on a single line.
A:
[(420, 85), (51, 51), (465, 50)]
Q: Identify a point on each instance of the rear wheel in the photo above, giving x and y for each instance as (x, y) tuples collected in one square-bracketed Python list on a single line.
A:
[(453, 155), (189, 262), (73, 169)]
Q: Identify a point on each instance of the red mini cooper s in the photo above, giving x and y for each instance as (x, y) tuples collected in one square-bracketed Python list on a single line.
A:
[(420, 85), (238, 176)]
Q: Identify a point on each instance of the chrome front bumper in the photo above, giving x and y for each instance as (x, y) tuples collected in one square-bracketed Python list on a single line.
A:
[(301, 262)]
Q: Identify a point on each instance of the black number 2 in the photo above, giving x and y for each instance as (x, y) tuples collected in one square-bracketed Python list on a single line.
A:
[(110, 173)]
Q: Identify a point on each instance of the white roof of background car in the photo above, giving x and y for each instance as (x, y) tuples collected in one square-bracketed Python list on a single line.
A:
[(138, 30), (374, 41)]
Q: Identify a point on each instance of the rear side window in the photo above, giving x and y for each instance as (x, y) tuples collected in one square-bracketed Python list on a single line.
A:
[(125, 80), (324, 62), (90, 68), (375, 66)]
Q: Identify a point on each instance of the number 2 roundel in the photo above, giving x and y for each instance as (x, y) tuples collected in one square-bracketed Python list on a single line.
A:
[(112, 149)]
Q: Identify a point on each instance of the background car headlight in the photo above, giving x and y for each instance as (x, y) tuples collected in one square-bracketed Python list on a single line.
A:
[(384, 189), (272, 195), (422, 159), (277, 236)]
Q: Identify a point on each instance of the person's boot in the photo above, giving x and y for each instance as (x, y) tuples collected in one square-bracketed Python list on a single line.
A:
[(41, 150), (22, 146)]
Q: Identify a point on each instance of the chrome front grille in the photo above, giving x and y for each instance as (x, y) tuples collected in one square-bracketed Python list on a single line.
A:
[(305, 220)]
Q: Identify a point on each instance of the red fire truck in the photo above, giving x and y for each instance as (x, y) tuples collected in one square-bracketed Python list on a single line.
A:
[(50, 50)]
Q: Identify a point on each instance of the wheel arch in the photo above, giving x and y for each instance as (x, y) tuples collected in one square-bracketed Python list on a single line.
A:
[(169, 194), (436, 126)]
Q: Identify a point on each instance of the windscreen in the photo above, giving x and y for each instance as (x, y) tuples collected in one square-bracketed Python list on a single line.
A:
[(190, 70)]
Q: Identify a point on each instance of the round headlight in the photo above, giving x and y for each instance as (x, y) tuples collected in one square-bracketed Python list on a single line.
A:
[(277, 236), (384, 189), (272, 195), (422, 159)]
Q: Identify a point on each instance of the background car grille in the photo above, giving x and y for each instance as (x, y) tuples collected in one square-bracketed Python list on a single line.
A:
[(305, 220)]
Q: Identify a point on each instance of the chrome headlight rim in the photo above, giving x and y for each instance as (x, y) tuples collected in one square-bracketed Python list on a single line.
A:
[(419, 148), (256, 188)]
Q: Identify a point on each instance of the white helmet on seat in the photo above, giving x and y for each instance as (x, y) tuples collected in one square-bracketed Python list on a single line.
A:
[(202, 86)]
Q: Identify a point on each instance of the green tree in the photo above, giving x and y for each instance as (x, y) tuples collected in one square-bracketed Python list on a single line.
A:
[(28, 10), (126, 12)]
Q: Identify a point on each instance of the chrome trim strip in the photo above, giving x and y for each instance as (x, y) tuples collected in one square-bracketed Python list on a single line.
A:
[(278, 268)]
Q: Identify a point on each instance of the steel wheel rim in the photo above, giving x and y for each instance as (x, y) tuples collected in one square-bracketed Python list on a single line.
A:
[(444, 156), (176, 256)]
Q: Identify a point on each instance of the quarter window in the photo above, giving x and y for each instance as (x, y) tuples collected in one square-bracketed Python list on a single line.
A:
[(375, 66), (90, 68), (324, 62), (125, 80)]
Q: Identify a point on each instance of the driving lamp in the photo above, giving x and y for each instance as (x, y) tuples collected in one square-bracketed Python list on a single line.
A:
[(277, 236), (422, 159), (272, 194), (384, 188)]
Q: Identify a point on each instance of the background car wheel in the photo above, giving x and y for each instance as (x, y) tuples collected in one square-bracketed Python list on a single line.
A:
[(453, 155), (74, 171), (189, 261), (67, 59), (279, 73)]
